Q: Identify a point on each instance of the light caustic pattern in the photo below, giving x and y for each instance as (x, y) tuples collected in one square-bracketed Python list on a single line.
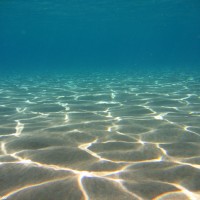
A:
[(100, 137)]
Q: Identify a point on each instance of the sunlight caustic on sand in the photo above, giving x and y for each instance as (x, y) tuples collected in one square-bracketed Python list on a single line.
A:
[(126, 137)]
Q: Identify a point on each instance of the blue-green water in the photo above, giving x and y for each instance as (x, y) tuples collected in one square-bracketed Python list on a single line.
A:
[(100, 100), (79, 35)]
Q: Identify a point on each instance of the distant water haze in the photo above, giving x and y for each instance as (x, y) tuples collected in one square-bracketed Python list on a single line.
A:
[(71, 34)]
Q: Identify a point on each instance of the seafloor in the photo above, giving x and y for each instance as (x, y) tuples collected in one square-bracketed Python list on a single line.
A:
[(100, 137)]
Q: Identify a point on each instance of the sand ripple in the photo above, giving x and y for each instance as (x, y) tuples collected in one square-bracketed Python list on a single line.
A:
[(100, 137)]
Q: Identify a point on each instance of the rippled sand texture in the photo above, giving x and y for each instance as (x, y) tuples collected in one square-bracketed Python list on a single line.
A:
[(100, 137)]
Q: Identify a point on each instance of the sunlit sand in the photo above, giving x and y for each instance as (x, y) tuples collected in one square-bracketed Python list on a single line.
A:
[(100, 137)]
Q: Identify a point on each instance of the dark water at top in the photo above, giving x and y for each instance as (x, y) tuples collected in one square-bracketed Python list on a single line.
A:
[(89, 35)]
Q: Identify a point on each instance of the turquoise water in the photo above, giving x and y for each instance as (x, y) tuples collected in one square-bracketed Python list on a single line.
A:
[(100, 100), (91, 35)]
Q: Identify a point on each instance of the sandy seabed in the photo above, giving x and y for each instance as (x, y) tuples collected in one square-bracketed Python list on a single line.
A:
[(100, 137)]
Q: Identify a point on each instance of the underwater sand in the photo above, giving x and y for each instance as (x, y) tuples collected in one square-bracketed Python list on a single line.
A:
[(110, 137)]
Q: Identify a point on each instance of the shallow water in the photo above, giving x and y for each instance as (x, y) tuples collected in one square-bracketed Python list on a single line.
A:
[(100, 100), (100, 136)]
